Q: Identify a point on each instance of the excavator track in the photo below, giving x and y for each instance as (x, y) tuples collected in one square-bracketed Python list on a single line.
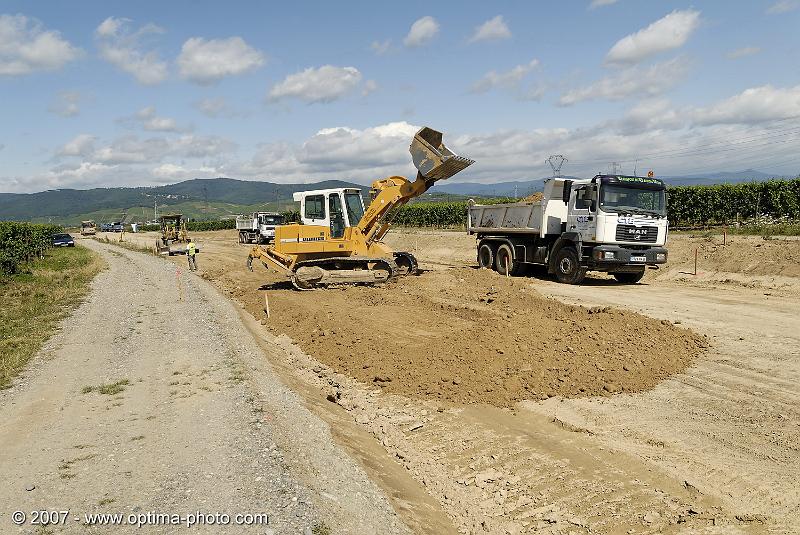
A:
[(312, 274)]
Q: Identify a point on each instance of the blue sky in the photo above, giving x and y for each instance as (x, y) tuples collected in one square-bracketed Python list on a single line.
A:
[(123, 93)]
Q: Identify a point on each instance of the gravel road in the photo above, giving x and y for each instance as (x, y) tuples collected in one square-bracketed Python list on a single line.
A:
[(197, 421)]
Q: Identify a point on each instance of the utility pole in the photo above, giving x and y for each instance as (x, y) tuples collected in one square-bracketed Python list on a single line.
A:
[(556, 161), (614, 167)]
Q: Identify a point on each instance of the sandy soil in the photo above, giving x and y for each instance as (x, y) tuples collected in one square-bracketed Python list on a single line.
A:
[(711, 448)]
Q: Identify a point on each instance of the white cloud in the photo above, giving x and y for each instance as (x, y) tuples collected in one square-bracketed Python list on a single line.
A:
[(362, 155), (26, 47), (633, 81), (215, 107), (381, 47), (370, 86), (179, 172), (510, 79), (783, 6), (421, 32), (744, 52), (152, 122), (493, 29), (66, 104), (752, 106), (125, 49), (323, 84), (665, 34), (208, 61), (81, 145), (601, 3)]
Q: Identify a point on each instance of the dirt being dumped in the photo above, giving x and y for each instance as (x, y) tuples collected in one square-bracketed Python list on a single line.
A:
[(471, 336)]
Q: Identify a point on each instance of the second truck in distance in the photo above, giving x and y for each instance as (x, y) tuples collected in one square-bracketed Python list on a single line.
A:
[(611, 223), (258, 227)]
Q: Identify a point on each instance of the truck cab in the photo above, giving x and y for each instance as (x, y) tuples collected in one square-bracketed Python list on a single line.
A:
[(619, 220)]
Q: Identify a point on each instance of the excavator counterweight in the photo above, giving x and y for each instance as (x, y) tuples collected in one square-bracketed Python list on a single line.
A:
[(339, 242)]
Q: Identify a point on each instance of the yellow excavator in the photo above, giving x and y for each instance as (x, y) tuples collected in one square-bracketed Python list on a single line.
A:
[(339, 242)]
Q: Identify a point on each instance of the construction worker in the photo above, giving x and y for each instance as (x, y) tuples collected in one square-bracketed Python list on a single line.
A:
[(191, 252)]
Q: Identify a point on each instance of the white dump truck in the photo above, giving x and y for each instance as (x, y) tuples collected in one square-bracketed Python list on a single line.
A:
[(258, 227), (611, 223)]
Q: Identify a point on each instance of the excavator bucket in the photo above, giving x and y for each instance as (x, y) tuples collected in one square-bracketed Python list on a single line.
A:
[(432, 158)]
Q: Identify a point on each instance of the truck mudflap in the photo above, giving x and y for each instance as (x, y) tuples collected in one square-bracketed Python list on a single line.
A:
[(612, 257)]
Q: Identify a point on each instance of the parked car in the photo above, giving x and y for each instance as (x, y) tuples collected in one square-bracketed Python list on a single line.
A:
[(63, 240)]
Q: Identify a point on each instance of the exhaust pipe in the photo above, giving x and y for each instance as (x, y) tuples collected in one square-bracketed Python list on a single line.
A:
[(432, 158)]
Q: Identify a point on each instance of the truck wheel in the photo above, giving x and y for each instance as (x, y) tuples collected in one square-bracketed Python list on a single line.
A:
[(568, 269), (485, 256), (629, 278), (241, 237), (505, 261)]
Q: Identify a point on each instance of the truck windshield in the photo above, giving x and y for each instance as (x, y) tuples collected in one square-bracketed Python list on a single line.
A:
[(615, 198), (355, 208), (272, 220)]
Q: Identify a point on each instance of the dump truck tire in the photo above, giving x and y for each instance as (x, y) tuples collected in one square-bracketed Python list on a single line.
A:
[(504, 260), (485, 256), (568, 269)]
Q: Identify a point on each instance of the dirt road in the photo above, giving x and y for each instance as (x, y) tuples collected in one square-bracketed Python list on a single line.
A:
[(710, 447), (155, 398)]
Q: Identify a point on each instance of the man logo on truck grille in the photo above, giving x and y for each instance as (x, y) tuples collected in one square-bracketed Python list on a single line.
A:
[(637, 233)]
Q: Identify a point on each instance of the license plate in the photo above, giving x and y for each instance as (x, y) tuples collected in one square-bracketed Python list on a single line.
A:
[(638, 259)]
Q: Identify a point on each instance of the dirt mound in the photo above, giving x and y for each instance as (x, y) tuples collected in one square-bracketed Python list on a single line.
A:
[(472, 336), (534, 197)]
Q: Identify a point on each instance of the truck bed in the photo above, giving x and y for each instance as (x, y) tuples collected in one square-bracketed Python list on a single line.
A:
[(504, 218)]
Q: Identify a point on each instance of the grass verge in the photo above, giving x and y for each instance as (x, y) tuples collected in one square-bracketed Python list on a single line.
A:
[(32, 303)]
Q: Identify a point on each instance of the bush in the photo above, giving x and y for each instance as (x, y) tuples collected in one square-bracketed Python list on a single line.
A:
[(728, 203), (23, 242)]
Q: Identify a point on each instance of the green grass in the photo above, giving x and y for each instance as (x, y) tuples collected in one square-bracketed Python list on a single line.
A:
[(33, 302), (107, 389)]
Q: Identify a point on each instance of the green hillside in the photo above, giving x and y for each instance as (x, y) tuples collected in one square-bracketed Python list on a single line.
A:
[(201, 199)]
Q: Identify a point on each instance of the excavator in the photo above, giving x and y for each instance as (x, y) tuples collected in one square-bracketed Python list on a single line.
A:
[(339, 242)]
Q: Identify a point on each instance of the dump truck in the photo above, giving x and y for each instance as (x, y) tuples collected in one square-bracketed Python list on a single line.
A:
[(258, 227), (88, 228), (610, 223), (339, 242)]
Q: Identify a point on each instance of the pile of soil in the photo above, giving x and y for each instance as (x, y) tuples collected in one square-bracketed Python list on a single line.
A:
[(534, 197), (465, 335)]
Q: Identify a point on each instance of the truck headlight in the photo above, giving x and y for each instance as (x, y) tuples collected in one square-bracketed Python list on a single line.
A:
[(609, 255), (661, 257)]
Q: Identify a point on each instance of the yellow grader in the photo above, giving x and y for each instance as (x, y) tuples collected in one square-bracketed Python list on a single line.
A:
[(173, 229), (338, 242)]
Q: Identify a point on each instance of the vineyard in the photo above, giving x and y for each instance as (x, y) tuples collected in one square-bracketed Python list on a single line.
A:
[(774, 200), (23, 242)]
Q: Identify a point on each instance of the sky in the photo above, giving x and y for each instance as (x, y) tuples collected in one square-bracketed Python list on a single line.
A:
[(110, 93)]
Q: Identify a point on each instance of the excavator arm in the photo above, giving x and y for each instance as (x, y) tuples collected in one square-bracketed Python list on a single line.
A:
[(434, 162)]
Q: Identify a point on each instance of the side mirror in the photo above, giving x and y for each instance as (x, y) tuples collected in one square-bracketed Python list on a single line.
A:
[(567, 191)]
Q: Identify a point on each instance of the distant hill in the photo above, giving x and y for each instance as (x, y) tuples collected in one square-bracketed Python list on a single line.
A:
[(199, 198), (216, 198), (526, 187)]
